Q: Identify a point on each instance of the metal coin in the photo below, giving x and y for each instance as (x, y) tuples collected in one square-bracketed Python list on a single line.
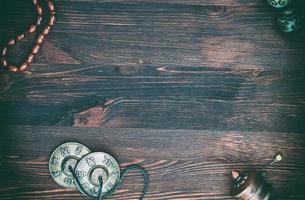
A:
[(67, 154), (93, 166)]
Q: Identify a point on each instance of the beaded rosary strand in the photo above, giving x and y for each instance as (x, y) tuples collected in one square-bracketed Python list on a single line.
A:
[(32, 29)]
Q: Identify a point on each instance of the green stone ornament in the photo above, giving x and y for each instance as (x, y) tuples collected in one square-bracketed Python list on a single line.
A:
[(289, 21), (279, 3)]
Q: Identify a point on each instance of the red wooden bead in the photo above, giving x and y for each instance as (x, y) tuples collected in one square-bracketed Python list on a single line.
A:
[(39, 10), (11, 42), (4, 51), (52, 20), (20, 37), (30, 59), (46, 30), (35, 49), (40, 39), (51, 6), (32, 29), (24, 66), (12, 68)]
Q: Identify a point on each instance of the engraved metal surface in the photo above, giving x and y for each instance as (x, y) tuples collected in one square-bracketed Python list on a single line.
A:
[(251, 185), (95, 165), (67, 154), (279, 3), (289, 21)]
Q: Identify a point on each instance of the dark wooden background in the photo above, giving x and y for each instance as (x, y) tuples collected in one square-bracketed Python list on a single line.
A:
[(219, 67)]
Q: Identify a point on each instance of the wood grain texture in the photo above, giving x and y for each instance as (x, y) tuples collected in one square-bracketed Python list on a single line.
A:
[(182, 164), (218, 65), (174, 64)]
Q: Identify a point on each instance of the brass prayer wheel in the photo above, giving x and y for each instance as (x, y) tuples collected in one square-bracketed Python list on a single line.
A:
[(250, 185)]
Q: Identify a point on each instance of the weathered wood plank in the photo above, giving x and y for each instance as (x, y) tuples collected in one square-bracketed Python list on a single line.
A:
[(182, 164), (175, 64), (198, 99), (179, 2)]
